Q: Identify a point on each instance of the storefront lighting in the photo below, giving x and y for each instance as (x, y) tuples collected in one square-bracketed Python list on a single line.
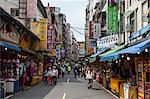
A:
[(122, 56), (128, 58), (138, 52), (146, 50), (5, 48), (116, 61)]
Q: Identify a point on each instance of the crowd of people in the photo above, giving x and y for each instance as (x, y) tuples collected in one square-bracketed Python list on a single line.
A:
[(54, 72)]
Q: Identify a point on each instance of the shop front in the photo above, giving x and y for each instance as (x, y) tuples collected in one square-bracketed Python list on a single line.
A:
[(9, 61), (130, 65)]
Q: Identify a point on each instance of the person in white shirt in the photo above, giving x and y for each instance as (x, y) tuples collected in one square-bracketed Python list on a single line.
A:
[(89, 76), (54, 75)]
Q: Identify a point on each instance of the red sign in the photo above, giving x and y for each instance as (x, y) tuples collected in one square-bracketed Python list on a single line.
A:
[(91, 34)]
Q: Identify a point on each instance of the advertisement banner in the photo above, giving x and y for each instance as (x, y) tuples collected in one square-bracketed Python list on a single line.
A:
[(35, 28), (91, 34), (43, 33), (31, 8), (113, 19), (50, 32), (43, 29), (81, 48)]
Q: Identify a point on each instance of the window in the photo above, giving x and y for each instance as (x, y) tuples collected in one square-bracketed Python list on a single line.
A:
[(14, 11)]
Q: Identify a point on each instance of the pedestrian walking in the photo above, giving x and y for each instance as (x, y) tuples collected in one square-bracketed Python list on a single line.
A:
[(89, 76), (46, 75), (54, 75), (49, 79), (63, 70), (75, 72), (69, 69), (83, 75)]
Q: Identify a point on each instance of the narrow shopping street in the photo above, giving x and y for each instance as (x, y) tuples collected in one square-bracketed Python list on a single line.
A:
[(67, 88), (74, 49)]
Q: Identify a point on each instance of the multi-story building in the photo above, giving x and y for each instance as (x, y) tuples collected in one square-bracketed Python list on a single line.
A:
[(21, 11), (74, 49), (137, 14)]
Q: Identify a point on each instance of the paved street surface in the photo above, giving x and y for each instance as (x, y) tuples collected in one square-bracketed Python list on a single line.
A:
[(66, 89)]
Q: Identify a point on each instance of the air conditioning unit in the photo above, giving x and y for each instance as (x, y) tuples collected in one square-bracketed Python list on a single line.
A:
[(129, 28)]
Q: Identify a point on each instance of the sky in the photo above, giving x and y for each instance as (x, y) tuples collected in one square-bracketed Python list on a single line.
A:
[(74, 11)]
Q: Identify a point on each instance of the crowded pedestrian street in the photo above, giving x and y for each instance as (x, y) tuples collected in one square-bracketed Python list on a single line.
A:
[(74, 49), (67, 88)]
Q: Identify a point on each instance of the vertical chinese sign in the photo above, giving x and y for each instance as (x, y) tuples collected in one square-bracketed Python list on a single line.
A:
[(35, 28), (43, 33), (31, 8), (112, 17)]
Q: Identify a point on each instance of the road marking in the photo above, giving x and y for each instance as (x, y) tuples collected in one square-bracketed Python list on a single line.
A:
[(64, 96), (68, 80)]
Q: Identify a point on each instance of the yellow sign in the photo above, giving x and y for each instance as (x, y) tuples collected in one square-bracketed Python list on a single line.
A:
[(35, 28), (43, 32)]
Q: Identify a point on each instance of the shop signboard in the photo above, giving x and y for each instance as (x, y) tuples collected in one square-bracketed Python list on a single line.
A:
[(9, 33), (31, 8), (112, 19), (81, 48), (35, 28), (50, 32), (108, 41), (91, 33), (93, 43), (43, 33)]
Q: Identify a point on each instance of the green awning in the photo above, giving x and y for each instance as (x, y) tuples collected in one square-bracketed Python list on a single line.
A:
[(128, 12), (92, 59), (112, 51)]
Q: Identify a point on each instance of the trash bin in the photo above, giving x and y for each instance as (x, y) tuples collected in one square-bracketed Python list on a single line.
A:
[(2, 89)]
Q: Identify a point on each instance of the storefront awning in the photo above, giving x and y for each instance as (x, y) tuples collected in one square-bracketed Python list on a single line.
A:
[(109, 55), (112, 51), (11, 46), (93, 57), (99, 52), (130, 50), (28, 50), (140, 32), (136, 48)]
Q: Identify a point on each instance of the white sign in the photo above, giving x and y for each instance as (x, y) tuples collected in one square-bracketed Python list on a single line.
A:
[(31, 8), (96, 30), (108, 41), (126, 91)]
